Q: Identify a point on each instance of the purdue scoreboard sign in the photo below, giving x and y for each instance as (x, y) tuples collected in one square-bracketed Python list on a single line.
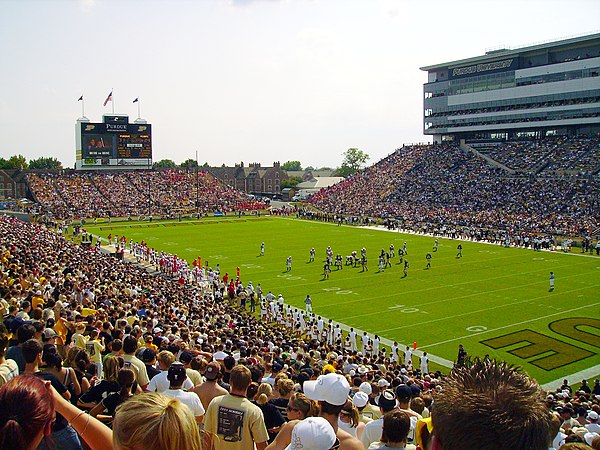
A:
[(115, 142)]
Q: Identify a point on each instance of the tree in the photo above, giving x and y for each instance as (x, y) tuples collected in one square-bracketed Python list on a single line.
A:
[(354, 159), (14, 162), (189, 163), (291, 165), (290, 182), (45, 163), (164, 164)]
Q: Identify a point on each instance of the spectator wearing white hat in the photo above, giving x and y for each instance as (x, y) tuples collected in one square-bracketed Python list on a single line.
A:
[(371, 411), (331, 391), (361, 400), (314, 433), (592, 425)]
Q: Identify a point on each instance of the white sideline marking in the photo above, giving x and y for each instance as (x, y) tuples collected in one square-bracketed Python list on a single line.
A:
[(573, 378)]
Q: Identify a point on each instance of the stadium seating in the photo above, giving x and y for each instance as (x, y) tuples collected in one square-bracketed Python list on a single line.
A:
[(123, 194), (445, 185)]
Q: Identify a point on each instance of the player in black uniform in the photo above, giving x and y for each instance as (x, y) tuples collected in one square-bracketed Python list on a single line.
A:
[(326, 270), (400, 255)]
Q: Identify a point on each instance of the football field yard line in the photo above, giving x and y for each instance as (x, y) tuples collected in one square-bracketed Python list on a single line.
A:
[(510, 325), (451, 298), (475, 312)]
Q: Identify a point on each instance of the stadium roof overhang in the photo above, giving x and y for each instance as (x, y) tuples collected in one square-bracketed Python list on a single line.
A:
[(511, 52)]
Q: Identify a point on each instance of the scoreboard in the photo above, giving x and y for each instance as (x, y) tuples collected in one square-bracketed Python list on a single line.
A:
[(121, 141), (134, 145)]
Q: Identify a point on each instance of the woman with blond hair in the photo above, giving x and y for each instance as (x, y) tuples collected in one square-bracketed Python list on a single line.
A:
[(349, 421), (273, 418), (299, 408), (106, 386), (148, 421), (282, 391), (155, 422)]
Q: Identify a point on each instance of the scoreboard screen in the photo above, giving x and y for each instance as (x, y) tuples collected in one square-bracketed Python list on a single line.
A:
[(132, 145), (116, 141)]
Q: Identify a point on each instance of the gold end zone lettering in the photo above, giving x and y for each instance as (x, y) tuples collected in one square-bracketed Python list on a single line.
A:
[(572, 328), (561, 353)]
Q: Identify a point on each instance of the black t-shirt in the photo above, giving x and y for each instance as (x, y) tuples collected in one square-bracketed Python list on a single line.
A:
[(100, 391), (273, 418), (151, 371), (281, 404), (107, 338), (60, 422), (111, 402)]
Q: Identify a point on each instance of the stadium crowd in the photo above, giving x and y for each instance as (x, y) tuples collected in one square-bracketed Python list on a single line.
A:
[(442, 186), (550, 154), (164, 193), (154, 356), (554, 191)]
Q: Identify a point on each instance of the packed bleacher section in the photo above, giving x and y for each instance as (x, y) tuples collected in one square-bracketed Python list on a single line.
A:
[(62, 294), (134, 194), (445, 186), (577, 156)]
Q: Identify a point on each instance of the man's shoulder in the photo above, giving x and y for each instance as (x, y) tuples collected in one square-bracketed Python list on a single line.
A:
[(347, 441)]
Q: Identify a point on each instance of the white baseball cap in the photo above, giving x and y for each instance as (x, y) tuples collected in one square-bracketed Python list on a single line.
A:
[(331, 388), (365, 387), (360, 399), (314, 433), (383, 382)]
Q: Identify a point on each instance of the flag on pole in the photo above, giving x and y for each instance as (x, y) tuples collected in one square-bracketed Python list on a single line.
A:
[(80, 99), (136, 100), (108, 99)]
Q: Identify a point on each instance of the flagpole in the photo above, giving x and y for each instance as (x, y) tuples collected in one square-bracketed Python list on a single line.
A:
[(112, 99), (138, 102), (82, 107)]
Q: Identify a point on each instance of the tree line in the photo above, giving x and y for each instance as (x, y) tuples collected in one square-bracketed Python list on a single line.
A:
[(353, 160)]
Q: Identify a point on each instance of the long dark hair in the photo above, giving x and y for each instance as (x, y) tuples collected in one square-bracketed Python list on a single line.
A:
[(51, 357), (126, 378)]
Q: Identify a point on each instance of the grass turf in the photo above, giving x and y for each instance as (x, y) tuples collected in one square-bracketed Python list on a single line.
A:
[(493, 300)]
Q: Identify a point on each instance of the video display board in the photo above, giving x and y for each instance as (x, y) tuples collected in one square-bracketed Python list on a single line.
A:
[(116, 141)]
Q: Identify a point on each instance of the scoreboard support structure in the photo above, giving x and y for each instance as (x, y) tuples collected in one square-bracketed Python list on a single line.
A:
[(113, 144)]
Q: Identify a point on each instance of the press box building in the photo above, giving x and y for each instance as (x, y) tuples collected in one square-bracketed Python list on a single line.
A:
[(535, 91)]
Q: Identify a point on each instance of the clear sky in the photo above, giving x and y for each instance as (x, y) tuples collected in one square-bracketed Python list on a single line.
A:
[(249, 80)]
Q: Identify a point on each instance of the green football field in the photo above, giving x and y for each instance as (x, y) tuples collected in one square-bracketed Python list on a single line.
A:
[(493, 300)]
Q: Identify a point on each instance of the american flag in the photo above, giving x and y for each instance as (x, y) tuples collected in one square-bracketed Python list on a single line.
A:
[(108, 99)]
